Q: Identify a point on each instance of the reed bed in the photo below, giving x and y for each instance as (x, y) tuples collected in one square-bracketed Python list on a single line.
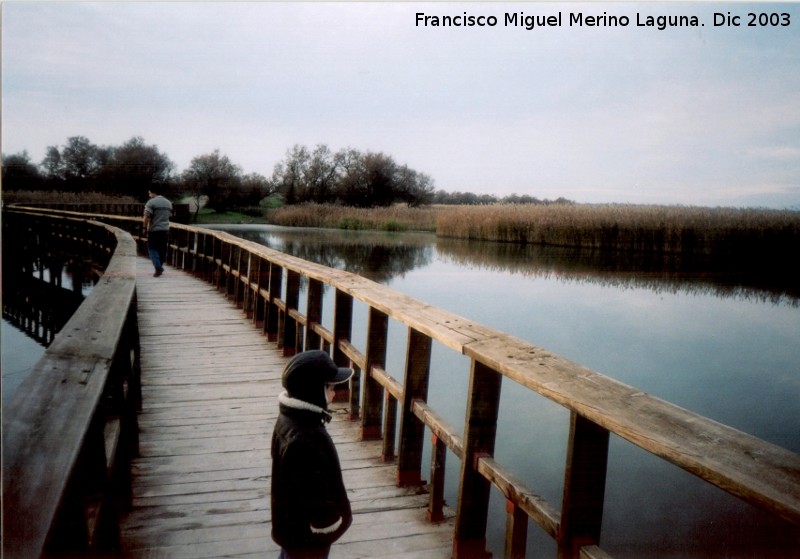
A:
[(50, 197), (675, 229), (394, 218)]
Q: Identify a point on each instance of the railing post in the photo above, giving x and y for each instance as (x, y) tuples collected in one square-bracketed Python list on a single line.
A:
[(259, 303), (342, 325), (221, 256), (516, 531), (584, 486), (372, 391), (289, 324), (275, 289), (174, 247), (234, 265), (412, 430), (205, 255), (389, 427), (250, 294), (196, 253), (438, 463), (480, 430), (355, 393), (192, 247), (243, 286), (313, 313)]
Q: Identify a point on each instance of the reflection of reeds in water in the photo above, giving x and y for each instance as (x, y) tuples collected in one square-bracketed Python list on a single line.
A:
[(659, 272), (379, 256)]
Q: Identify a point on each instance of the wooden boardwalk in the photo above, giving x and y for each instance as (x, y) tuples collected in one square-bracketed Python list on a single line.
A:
[(210, 382)]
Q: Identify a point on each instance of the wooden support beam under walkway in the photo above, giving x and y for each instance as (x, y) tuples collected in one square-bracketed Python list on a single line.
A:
[(210, 383)]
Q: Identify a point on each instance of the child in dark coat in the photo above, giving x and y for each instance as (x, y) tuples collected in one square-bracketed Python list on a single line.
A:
[(310, 508)]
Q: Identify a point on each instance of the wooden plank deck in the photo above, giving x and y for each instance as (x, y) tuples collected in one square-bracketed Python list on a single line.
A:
[(201, 486)]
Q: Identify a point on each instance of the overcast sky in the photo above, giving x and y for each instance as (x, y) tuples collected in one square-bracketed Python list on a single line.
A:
[(706, 115)]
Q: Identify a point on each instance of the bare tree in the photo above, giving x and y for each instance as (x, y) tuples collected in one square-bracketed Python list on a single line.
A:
[(212, 175)]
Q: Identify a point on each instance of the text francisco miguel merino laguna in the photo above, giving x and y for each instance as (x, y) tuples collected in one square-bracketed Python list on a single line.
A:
[(579, 19)]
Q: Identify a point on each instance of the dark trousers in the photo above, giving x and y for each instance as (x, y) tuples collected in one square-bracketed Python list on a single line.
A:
[(315, 554), (157, 245)]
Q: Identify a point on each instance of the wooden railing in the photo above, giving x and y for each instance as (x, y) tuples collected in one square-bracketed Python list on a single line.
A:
[(181, 212), (266, 284), (70, 430)]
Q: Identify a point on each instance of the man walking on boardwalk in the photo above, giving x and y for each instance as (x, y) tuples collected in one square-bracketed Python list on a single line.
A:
[(310, 507), (156, 226)]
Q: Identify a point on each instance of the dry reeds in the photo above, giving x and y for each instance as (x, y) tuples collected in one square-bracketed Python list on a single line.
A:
[(676, 229), (394, 218), (52, 197)]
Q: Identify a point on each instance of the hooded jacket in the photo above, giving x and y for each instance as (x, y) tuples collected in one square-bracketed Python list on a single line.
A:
[(310, 508)]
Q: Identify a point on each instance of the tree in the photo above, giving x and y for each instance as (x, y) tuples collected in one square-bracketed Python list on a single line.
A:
[(352, 185), (414, 188), (53, 165), (289, 176), (19, 173), (82, 162), (134, 168), (253, 188), (76, 166), (321, 175), (215, 176), (349, 177), (381, 180)]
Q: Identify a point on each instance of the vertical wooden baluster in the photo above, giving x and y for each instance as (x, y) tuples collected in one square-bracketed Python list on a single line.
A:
[(372, 391), (260, 303), (438, 463), (342, 325), (313, 313), (516, 532), (412, 430), (289, 323), (204, 252), (194, 245), (244, 280), (275, 289), (244, 283), (342, 330), (233, 279), (584, 486), (389, 427), (355, 394), (480, 429)]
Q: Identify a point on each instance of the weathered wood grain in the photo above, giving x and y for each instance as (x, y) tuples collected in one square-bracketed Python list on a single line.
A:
[(210, 382), (51, 424)]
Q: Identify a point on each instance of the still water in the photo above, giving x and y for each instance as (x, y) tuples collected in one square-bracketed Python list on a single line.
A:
[(723, 343), (44, 308)]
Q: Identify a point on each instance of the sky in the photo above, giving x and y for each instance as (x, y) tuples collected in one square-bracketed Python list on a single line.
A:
[(699, 114)]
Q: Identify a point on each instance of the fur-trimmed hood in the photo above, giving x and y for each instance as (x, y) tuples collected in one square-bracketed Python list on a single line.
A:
[(306, 374), (296, 404)]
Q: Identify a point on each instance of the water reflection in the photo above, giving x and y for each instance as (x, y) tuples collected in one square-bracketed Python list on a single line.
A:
[(40, 294), (661, 272), (377, 256), (383, 256)]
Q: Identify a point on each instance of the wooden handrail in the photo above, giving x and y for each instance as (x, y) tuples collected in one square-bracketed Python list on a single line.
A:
[(70, 431), (753, 470)]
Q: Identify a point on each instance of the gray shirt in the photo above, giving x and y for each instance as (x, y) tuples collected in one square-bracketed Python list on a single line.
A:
[(158, 209)]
